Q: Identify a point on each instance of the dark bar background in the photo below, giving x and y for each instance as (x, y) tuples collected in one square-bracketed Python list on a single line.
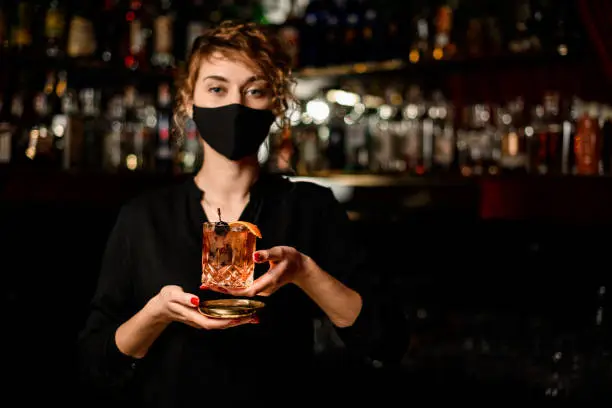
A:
[(500, 280)]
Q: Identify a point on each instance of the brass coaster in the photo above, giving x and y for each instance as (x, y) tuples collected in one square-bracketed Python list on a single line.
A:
[(230, 308)]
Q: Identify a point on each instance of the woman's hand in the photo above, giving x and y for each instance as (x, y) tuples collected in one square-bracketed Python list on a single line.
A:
[(173, 304), (286, 266)]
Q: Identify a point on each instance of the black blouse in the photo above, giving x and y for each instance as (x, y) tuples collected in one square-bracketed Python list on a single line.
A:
[(157, 241)]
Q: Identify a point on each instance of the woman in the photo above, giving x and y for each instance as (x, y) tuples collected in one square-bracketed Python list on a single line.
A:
[(144, 335)]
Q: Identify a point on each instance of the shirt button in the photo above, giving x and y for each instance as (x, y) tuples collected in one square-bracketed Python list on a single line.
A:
[(133, 365)]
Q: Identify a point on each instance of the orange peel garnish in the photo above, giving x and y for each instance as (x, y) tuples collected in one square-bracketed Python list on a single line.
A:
[(253, 229)]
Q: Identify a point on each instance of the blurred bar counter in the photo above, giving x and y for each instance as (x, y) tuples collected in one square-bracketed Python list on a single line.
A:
[(565, 199)]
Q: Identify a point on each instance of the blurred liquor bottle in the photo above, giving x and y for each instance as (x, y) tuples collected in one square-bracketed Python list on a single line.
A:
[(587, 142)]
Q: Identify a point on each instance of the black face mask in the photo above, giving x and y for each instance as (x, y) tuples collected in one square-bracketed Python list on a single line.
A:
[(234, 131)]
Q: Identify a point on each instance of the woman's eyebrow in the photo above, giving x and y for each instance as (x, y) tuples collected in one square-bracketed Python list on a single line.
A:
[(252, 79), (216, 77), (221, 78)]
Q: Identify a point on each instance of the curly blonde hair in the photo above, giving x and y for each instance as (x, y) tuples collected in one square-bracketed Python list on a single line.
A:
[(247, 41)]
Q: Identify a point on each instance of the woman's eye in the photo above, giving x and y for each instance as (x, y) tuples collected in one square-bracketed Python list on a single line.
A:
[(215, 89), (256, 92)]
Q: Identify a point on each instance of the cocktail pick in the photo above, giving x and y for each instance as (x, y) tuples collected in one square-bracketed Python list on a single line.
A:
[(221, 227)]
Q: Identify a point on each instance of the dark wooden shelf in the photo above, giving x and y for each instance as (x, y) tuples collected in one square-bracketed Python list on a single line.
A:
[(92, 72), (30, 72), (484, 64), (495, 79)]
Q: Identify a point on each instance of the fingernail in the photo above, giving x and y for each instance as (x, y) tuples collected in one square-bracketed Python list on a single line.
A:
[(204, 287), (195, 301), (257, 257), (255, 320)]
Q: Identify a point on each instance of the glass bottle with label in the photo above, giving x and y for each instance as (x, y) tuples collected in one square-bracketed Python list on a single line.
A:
[(357, 131), (41, 138), (474, 140), (4, 30), (55, 25), (136, 38), (115, 116), (421, 43), (81, 34), (93, 129), (444, 46), (554, 133), (164, 151), (163, 40), (606, 145), (535, 136), (587, 142), (72, 141), (513, 146), (197, 23), (6, 127), (413, 114), (441, 114), (520, 41), (17, 119), (133, 135), (21, 28), (109, 34)]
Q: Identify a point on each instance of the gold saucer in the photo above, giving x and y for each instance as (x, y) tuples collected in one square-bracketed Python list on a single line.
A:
[(230, 308)]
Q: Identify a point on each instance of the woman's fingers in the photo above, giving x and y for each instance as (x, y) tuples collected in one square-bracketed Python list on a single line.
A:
[(210, 323), (173, 293), (184, 307), (274, 254), (266, 283)]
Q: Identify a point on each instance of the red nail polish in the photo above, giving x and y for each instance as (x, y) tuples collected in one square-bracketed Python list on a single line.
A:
[(195, 301), (255, 320), (204, 287), (257, 257)]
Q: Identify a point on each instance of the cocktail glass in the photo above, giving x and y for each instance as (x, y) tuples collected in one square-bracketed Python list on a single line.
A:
[(227, 254)]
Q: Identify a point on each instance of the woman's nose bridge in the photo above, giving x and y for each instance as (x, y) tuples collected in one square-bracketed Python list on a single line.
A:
[(236, 95)]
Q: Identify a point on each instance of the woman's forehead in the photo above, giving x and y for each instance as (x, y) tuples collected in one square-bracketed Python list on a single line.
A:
[(230, 65)]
